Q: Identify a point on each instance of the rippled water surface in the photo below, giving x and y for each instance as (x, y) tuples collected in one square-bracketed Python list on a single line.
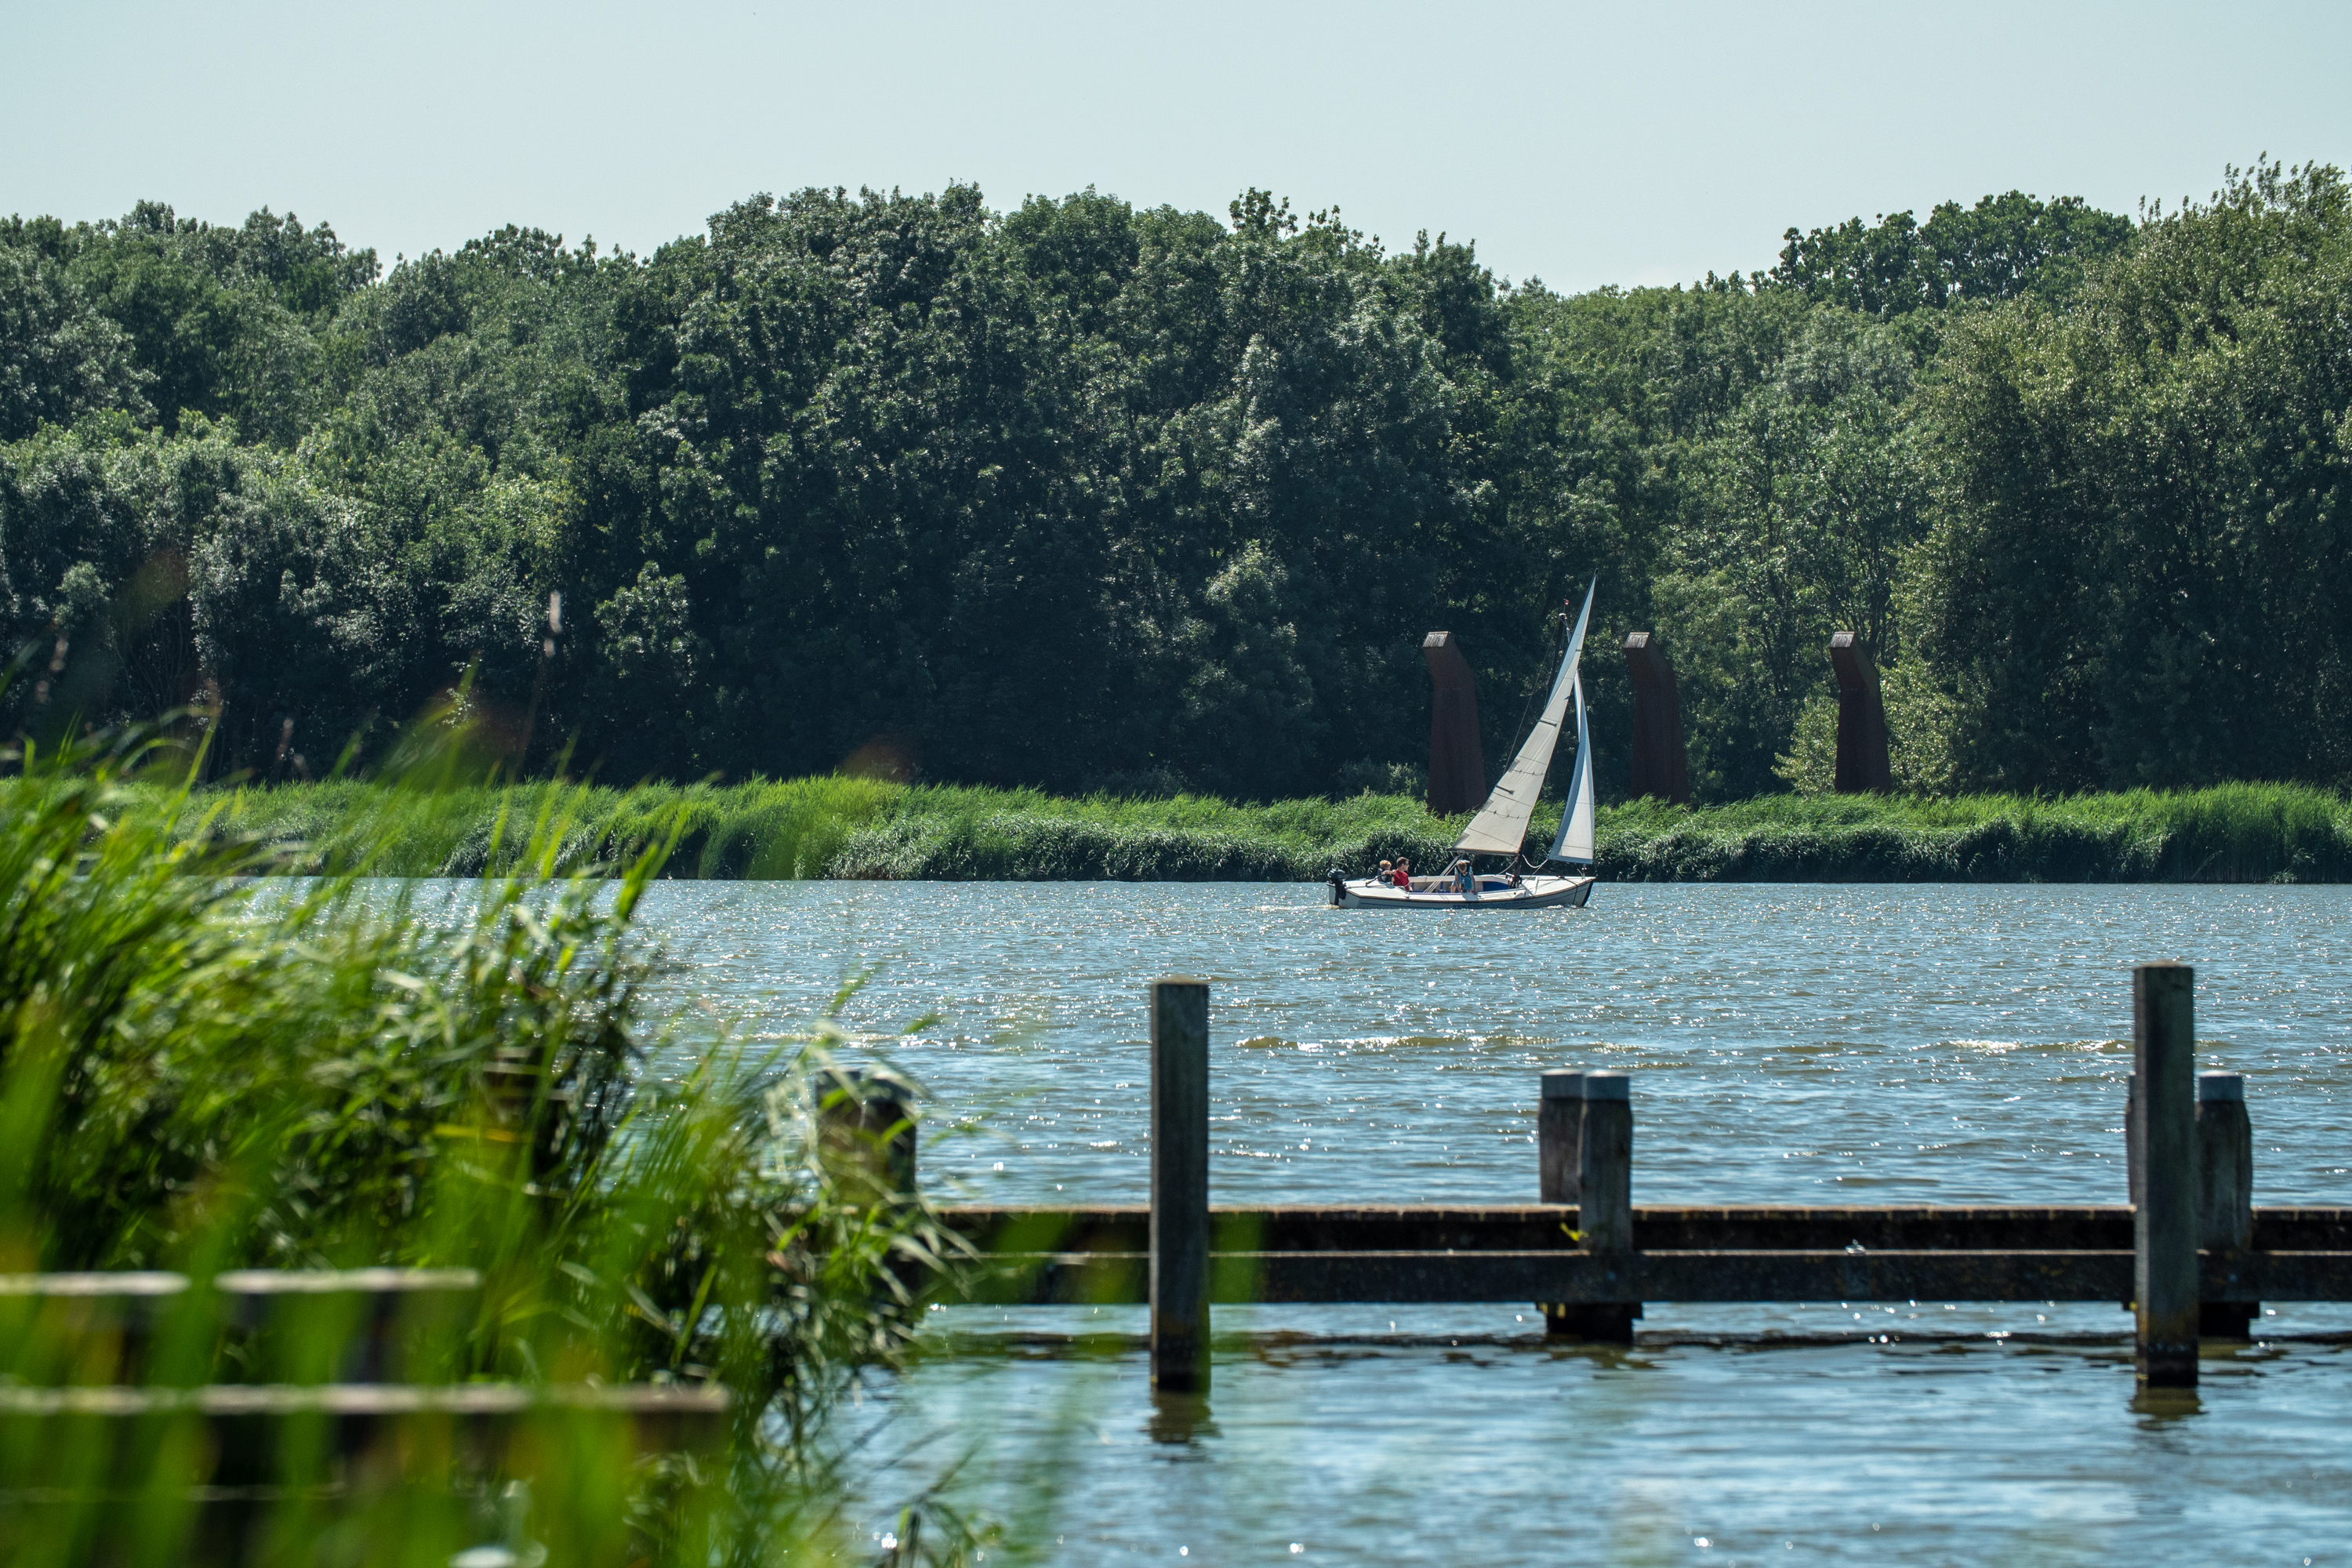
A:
[(1789, 1044)]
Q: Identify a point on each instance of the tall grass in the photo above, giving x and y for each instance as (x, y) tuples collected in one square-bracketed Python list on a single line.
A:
[(200, 1070), (842, 827), (2228, 833), (437, 827)]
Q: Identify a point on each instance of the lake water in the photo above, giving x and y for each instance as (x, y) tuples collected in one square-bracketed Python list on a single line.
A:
[(1788, 1045)]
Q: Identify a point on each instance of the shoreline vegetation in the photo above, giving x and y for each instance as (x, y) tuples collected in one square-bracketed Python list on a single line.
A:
[(851, 829), (196, 1080)]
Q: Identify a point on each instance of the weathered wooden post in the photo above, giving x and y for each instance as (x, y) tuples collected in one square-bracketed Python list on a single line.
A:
[(1660, 762), (1605, 1163), (2225, 1197), (1604, 1204), (1559, 1135), (1457, 758), (865, 1127), (1559, 1131), (1179, 1185), (2131, 1136), (2164, 1222), (1862, 765)]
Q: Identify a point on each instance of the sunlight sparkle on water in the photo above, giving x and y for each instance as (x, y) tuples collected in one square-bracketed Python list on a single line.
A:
[(1788, 1045)]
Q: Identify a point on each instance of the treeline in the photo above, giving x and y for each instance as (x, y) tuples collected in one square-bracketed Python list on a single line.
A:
[(1100, 498)]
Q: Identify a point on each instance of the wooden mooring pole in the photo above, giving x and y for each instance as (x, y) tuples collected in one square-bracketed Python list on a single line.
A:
[(2164, 1221), (1559, 1132), (1560, 1169), (1179, 1185), (866, 1125), (1604, 1206), (2225, 1199)]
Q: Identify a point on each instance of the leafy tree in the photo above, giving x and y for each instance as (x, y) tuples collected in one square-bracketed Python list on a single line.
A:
[(1815, 496), (2003, 247), (60, 357), (1249, 684), (220, 321), (2139, 573), (193, 569), (1082, 491)]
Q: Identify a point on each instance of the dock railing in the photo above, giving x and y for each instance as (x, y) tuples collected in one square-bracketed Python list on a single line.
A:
[(2191, 1256), (268, 1384)]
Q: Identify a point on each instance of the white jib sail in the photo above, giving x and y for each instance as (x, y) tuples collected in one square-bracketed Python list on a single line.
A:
[(1575, 840), (1501, 825)]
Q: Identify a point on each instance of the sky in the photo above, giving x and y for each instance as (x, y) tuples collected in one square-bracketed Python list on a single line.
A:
[(1581, 144)]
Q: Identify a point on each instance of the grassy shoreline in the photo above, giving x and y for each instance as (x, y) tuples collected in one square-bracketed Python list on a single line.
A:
[(858, 828)]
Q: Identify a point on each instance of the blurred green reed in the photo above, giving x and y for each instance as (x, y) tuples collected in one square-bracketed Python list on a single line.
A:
[(203, 1070), (856, 828)]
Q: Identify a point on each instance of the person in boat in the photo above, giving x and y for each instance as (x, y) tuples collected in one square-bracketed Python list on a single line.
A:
[(1384, 874), (1403, 875), (1465, 878)]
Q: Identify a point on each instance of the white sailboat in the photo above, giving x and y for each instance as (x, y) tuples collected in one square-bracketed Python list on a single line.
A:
[(1501, 825)]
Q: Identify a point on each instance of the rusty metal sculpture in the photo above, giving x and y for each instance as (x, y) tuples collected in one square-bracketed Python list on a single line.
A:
[(1862, 767), (1661, 764), (1457, 765)]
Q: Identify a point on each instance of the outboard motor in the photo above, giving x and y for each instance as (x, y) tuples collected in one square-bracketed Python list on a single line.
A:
[(1338, 887)]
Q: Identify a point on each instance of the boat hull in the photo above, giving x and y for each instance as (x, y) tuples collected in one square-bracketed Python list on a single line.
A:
[(1532, 893)]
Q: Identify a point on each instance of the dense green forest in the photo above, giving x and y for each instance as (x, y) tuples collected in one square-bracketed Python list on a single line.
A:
[(1099, 497)]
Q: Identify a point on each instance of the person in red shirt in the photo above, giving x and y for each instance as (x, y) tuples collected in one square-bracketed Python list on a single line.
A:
[(1403, 878)]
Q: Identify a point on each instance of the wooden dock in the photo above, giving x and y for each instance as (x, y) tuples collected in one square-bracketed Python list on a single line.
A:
[(83, 1352), (1756, 1253), (2191, 1256)]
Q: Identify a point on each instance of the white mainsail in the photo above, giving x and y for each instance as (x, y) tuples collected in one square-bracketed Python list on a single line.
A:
[(1575, 840), (1501, 825)]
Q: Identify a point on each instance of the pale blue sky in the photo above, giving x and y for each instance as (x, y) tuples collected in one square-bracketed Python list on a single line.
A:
[(1585, 144)]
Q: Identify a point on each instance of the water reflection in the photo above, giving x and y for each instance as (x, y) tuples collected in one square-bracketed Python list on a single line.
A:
[(2161, 1407), (1936, 1043), (1179, 1420)]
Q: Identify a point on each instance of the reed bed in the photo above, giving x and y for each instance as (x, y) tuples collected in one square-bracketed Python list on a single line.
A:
[(862, 828), (202, 1072), (2228, 833)]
